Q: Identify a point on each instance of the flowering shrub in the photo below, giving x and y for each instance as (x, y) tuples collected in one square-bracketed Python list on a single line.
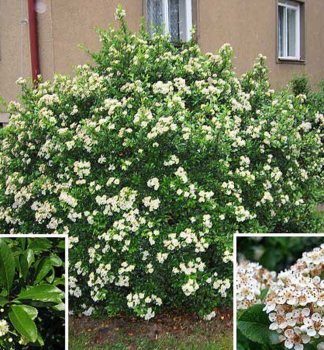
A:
[(294, 303), (31, 293), (150, 160)]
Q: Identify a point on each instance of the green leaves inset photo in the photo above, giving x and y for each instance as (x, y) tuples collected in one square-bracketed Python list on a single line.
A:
[(32, 279)]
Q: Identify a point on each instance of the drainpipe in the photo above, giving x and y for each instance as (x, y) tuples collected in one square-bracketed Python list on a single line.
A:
[(34, 53)]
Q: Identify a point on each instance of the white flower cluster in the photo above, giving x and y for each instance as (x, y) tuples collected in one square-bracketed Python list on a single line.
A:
[(251, 279), (4, 328), (154, 183), (190, 287), (82, 169), (140, 301), (295, 302), (120, 13)]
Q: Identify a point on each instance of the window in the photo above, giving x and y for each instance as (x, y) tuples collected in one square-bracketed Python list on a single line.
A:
[(289, 30), (174, 16)]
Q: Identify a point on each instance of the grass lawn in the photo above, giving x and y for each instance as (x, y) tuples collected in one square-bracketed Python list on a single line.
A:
[(169, 332)]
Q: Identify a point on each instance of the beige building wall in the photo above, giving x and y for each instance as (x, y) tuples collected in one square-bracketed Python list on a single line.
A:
[(62, 26), (14, 46), (248, 25), (73, 23)]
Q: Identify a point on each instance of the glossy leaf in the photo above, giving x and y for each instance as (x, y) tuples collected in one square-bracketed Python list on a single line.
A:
[(39, 244), (22, 242), (42, 293), (61, 244), (3, 301), (55, 260), (43, 268), (31, 311), (29, 254), (7, 265), (51, 277), (23, 323), (59, 281), (23, 263), (40, 340), (254, 325), (59, 307), (45, 304)]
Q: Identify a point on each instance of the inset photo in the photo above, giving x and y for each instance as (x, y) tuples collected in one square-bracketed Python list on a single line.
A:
[(279, 292), (32, 293)]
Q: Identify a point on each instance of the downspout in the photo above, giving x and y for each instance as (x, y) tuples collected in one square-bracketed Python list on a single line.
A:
[(34, 53)]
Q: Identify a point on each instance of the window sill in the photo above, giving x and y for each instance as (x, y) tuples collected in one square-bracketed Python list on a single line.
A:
[(282, 60)]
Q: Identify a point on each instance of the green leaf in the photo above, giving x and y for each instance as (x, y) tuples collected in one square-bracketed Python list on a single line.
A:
[(42, 293), (22, 242), (3, 301), (51, 277), (23, 266), (7, 265), (43, 268), (31, 311), (59, 307), (61, 244), (55, 260), (264, 293), (39, 244), (254, 324), (23, 323), (29, 254), (45, 304), (59, 281), (40, 340)]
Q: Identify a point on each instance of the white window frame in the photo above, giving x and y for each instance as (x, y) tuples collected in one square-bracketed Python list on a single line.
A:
[(185, 13), (296, 7)]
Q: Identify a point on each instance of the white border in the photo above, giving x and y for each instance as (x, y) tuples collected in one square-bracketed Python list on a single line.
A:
[(251, 235), (188, 20), (66, 260)]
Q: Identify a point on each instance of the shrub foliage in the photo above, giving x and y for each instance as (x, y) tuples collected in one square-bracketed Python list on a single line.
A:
[(151, 159)]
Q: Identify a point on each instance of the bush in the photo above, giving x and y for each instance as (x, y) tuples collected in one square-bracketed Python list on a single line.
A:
[(150, 160), (300, 85), (32, 292)]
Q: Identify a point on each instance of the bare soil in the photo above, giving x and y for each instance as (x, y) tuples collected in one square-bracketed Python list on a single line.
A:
[(106, 330)]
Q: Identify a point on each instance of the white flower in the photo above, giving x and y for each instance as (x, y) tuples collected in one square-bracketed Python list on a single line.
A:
[(120, 13), (154, 182), (190, 287), (152, 204)]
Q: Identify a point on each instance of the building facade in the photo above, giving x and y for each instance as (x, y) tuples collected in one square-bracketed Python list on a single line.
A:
[(289, 32)]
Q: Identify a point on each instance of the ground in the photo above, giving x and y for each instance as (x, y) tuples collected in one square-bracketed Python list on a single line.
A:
[(167, 332)]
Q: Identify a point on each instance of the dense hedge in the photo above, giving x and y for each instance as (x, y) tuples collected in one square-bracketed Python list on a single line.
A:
[(151, 159)]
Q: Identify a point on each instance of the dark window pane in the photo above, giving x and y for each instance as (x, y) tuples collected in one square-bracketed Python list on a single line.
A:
[(174, 19), (154, 14), (281, 19), (291, 32)]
